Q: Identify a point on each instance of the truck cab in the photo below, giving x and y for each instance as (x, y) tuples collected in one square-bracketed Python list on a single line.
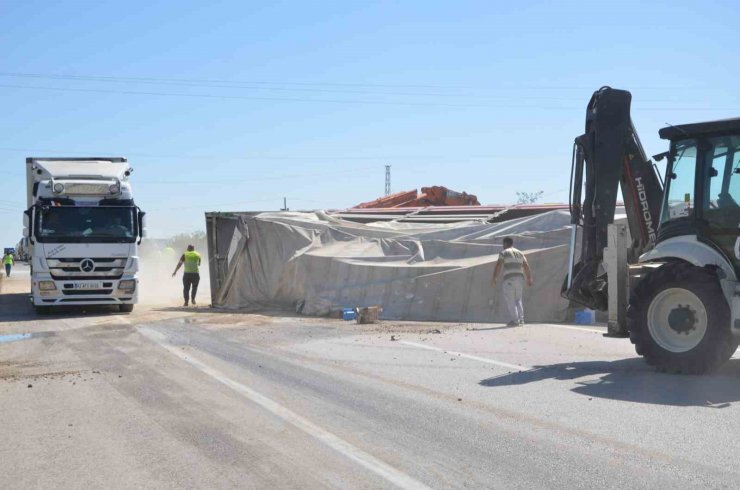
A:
[(83, 229)]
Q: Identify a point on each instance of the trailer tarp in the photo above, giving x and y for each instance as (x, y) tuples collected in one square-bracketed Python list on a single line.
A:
[(314, 263)]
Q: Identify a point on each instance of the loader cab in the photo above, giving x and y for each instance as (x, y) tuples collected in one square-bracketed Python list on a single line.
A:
[(702, 194)]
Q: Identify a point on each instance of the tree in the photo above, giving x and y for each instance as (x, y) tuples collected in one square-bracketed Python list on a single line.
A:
[(179, 242), (528, 197)]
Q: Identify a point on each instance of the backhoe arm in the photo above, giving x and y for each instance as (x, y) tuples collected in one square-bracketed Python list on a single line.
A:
[(609, 153)]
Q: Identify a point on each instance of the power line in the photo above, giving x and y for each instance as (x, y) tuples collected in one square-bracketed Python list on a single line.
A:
[(245, 180), (210, 80), (221, 82), (238, 203), (198, 206), (240, 180), (240, 97), (337, 101), (445, 158), (264, 86), (277, 200)]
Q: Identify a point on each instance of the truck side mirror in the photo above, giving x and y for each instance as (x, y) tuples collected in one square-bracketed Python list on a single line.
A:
[(27, 225), (142, 225)]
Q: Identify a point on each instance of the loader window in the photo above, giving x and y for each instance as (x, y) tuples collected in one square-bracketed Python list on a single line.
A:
[(680, 182), (724, 155), (722, 195)]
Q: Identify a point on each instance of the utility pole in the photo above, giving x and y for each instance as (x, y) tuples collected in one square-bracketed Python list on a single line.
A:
[(387, 180), (285, 204)]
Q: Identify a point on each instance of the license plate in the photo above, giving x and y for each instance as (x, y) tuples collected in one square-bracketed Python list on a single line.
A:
[(86, 285)]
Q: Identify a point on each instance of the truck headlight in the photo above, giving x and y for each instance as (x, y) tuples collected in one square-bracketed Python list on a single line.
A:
[(47, 286), (127, 285), (58, 188), (114, 189)]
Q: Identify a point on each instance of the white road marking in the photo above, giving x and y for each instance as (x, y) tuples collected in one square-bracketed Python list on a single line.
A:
[(468, 356), (569, 327), (343, 447)]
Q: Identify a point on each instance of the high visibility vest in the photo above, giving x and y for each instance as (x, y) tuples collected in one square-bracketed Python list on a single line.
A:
[(8, 260), (192, 261)]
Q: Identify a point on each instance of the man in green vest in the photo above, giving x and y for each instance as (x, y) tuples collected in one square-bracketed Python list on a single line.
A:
[(8, 263), (190, 278)]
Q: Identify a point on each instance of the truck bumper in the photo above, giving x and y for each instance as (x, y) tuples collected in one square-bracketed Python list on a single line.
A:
[(86, 292)]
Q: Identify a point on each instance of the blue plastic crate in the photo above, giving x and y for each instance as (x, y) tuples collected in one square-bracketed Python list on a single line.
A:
[(585, 317), (349, 314)]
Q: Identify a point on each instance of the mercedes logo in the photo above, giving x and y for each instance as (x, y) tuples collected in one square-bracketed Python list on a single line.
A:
[(87, 265)]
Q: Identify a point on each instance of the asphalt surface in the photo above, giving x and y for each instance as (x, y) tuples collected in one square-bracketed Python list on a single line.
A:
[(169, 397)]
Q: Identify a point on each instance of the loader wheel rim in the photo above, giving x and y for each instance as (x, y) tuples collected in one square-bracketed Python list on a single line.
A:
[(677, 320)]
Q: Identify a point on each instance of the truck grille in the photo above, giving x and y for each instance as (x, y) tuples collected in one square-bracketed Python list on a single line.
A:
[(83, 292), (71, 268)]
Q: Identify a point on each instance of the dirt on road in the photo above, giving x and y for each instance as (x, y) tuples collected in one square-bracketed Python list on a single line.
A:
[(168, 397)]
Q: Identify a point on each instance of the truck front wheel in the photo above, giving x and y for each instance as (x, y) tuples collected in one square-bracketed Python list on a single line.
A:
[(127, 308), (41, 310), (679, 320)]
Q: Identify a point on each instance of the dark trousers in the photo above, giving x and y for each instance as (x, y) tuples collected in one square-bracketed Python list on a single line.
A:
[(7, 270), (190, 280)]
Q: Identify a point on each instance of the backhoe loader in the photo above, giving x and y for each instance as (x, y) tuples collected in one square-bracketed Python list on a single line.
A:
[(669, 277)]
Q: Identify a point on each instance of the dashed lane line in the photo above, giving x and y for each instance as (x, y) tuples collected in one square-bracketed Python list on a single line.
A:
[(569, 327), (468, 356)]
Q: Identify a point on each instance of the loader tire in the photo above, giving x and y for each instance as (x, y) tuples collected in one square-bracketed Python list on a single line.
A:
[(679, 320)]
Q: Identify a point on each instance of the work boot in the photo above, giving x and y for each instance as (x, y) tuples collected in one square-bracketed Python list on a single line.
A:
[(194, 303), (521, 322), (512, 324), (186, 303)]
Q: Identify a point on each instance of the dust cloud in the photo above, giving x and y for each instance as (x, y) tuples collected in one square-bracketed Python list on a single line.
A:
[(157, 287)]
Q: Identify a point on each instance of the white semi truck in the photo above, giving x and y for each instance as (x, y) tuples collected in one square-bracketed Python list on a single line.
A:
[(83, 229)]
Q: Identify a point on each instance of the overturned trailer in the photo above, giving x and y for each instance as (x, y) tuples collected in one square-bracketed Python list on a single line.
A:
[(316, 263)]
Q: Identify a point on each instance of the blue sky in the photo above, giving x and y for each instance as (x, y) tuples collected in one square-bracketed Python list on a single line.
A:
[(233, 105)]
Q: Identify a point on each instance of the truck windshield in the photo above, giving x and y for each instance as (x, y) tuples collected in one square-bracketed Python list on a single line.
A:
[(86, 224)]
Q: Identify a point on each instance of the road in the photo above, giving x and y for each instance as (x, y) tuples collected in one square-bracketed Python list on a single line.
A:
[(169, 397)]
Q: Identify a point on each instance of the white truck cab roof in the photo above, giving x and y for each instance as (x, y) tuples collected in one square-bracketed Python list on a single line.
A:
[(81, 169)]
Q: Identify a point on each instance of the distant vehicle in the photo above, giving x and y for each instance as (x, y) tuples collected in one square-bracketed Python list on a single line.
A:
[(21, 250), (82, 230), (9, 251)]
